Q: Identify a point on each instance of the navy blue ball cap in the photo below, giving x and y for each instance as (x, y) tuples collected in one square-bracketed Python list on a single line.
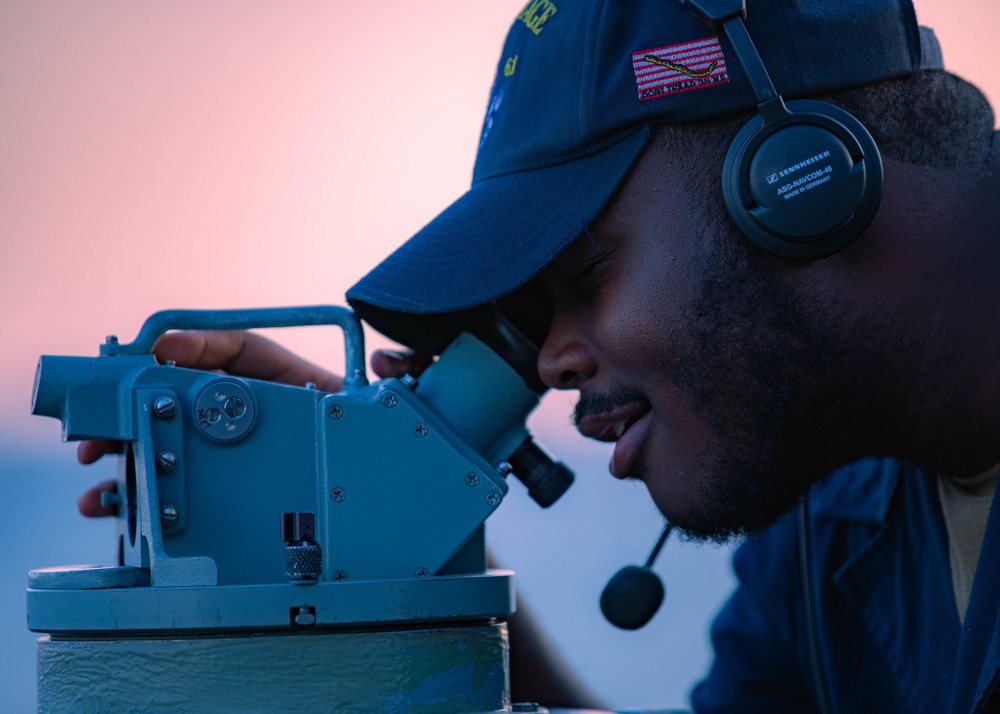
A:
[(580, 85), (484, 245)]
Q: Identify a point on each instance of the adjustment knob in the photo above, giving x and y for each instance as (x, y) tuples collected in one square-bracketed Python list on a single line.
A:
[(303, 556), (303, 562)]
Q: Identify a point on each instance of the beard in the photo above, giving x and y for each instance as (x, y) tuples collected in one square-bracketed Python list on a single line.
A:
[(775, 385)]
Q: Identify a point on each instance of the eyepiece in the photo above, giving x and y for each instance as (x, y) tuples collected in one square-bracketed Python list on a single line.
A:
[(546, 479)]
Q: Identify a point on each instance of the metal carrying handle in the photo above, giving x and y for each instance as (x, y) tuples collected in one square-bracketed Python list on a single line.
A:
[(245, 319)]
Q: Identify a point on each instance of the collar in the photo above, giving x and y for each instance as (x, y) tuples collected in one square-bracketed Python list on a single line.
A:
[(860, 491)]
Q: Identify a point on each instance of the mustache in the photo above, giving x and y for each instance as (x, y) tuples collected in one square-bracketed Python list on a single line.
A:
[(600, 402)]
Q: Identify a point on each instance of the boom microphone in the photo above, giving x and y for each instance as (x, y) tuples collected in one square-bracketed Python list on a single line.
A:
[(634, 594)]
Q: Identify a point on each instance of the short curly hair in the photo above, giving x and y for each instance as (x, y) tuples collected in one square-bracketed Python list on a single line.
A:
[(931, 118)]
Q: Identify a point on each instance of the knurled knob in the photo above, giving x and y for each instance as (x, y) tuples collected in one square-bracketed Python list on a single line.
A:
[(303, 556), (303, 561)]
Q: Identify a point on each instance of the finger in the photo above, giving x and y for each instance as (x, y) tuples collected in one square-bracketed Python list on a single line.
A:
[(390, 363), (87, 452), (245, 354), (89, 504)]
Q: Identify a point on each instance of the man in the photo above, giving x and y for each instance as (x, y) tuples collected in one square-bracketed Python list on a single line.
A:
[(733, 377)]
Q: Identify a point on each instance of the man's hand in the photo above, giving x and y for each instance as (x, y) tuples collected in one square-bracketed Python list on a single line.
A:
[(389, 363), (245, 354)]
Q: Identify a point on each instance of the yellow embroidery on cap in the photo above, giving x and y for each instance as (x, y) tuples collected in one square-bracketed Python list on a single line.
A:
[(509, 66), (536, 13)]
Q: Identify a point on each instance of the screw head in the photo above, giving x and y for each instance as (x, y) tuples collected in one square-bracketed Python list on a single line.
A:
[(389, 400), (421, 430), (164, 407), (169, 516), (336, 411), (472, 479), (166, 461), (337, 495), (340, 576), (422, 573), (493, 498), (234, 407)]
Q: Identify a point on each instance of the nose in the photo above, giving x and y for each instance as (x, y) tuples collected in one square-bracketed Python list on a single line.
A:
[(566, 360)]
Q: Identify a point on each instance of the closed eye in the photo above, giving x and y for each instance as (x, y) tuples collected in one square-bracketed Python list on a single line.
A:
[(585, 278)]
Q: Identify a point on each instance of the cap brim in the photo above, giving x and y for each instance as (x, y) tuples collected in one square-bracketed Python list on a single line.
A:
[(493, 239)]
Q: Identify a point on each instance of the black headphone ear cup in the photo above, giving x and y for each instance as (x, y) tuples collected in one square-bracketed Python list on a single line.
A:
[(804, 185)]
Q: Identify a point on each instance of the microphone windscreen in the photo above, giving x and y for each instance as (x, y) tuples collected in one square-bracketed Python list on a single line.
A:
[(632, 597)]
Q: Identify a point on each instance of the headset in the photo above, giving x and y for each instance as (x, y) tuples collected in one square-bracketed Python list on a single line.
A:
[(803, 178)]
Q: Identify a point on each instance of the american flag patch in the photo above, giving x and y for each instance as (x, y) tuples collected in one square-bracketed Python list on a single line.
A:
[(679, 68)]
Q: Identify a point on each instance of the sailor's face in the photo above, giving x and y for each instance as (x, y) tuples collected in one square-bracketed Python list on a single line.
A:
[(686, 357)]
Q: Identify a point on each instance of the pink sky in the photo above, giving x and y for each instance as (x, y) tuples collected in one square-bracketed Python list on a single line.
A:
[(231, 153), (234, 153)]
